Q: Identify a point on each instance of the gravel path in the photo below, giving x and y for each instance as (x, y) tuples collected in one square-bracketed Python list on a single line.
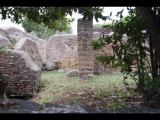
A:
[(27, 106)]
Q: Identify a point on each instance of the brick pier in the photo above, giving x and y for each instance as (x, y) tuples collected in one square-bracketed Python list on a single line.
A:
[(85, 52)]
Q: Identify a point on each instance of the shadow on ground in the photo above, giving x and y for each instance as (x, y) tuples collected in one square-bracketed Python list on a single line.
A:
[(28, 106)]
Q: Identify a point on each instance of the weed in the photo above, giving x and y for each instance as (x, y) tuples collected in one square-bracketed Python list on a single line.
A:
[(112, 105), (2, 78), (56, 88), (46, 98), (41, 85), (13, 41), (103, 94), (117, 106)]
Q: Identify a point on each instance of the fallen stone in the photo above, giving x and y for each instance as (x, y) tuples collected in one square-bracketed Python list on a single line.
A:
[(81, 93), (50, 66), (71, 73), (60, 70), (67, 69)]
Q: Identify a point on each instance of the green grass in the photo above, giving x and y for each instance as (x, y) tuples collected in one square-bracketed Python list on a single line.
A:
[(100, 25), (13, 42), (117, 106), (57, 88)]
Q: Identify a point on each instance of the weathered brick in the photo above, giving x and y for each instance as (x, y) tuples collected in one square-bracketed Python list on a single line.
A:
[(85, 56)]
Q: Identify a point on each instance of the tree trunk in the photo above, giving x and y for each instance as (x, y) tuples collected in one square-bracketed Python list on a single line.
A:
[(151, 20), (152, 25)]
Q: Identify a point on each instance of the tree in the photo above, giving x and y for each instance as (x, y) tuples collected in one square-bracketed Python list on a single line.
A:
[(49, 15), (141, 48), (43, 31), (100, 28)]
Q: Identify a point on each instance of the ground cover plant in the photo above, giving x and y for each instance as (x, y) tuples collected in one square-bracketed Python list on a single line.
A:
[(104, 92)]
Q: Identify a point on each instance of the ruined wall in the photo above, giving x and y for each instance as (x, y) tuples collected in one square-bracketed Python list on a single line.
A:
[(62, 49), (21, 75), (14, 33), (4, 42), (85, 52), (31, 48), (4, 33), (98, 67), (105, 51), (59, 50), (42, 48)]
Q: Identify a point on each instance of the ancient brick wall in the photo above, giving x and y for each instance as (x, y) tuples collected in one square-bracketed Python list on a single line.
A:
[(62, 49), (21, 75), (98, 67), (4, 42), (31, 48), (105, 51), (84, 49), (14, 33), (42, 48), (59, 49), (4, 33)]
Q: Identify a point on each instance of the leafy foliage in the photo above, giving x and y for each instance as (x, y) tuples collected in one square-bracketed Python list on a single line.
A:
[(13, 41), (49, 15), (100, 25), (138, 50), (43, 31)]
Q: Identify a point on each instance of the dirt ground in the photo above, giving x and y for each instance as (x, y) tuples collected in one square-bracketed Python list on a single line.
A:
[(28, 106)]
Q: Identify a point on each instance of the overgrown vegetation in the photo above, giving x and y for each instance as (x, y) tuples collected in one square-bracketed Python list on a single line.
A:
[(98, 93), (146, 19), (139, 50), (13, 41), (42, 31), (100, 25)]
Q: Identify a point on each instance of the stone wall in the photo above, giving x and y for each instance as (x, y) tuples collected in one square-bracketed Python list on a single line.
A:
[(98, 67), (61, 47), (85, 52), (4, 42), (4, 33), (21, 75), (14, 33), (42, 48), (31, 48), (62, 50)]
